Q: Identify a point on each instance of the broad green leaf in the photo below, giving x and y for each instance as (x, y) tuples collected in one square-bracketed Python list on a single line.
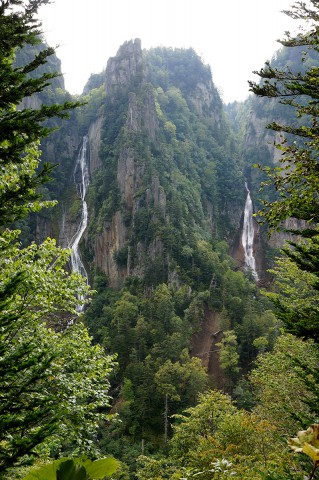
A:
[(100, 468), (71, 470), (47, 472)]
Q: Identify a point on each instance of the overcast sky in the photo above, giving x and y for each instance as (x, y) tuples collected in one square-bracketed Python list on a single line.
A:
[(234, 37)]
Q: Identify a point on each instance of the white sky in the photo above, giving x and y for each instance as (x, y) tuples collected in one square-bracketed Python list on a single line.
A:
[(234, 37)]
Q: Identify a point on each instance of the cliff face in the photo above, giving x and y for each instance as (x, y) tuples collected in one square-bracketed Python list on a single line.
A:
[(205, 101), (94, 134), (164, 165), (123, 72), (109, 241)]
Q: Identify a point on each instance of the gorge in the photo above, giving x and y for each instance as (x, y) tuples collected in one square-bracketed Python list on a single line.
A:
[(153, 202)]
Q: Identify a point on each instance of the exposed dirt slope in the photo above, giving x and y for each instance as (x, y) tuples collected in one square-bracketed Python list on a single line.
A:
[(204, 346)]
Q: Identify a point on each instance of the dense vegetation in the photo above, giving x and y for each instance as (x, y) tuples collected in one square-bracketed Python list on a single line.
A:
[(174, 418), (54, 382)]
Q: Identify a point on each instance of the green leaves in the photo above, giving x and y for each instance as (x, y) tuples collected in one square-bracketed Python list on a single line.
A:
[(54, 383), (213, 441), (296, 182), (181, 380), (228, 353), (283, 382), (100, 468), (74, 469), (47, 472), (68, 470), (308, 437)]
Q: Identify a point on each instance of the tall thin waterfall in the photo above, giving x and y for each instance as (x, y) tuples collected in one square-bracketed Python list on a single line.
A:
[(82, 180), (248, 236)]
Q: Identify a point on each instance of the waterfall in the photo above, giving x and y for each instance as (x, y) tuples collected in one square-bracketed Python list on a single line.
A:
[(248, 236), (82, 180)]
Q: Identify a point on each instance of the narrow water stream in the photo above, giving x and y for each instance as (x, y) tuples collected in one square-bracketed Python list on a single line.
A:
[(82, 180), (248, 236)]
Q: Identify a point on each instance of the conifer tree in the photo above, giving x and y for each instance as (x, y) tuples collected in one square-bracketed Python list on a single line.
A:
[(21, 129), (51, 382), (296, 179)]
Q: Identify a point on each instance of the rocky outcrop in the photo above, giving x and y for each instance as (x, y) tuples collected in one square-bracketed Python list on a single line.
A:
[(126, 70), (256, 133), (122, 71), (95, 139), (205, 102), (129, 176), (149, 116), (142, 116), (125, 67), (34, 102), (67, 228), (277, 239), (155, 196)]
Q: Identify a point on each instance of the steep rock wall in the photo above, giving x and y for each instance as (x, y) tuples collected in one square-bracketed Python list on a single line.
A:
[(107, 243), (205, 102)]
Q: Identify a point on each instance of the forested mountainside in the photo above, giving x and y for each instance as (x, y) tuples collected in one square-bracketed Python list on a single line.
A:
[(156, 190), (166, 186)]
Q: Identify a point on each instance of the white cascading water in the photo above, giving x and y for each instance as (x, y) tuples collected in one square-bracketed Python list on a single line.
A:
[(248, 236), (82, 180)]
